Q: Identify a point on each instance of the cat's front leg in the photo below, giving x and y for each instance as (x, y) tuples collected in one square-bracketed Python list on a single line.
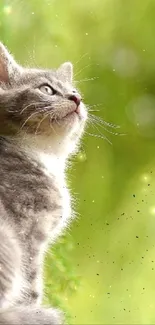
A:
[(34, 292), (10, 267), (32, 289)]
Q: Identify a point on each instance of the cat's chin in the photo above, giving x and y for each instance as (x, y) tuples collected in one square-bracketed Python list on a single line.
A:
[(71, 126), (77, 117), (67, 132)]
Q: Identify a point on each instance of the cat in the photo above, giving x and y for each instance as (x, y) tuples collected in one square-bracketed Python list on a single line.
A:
[(42, 118)]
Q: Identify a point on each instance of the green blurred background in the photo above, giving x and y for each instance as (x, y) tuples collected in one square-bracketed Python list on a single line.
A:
[(103, 270)]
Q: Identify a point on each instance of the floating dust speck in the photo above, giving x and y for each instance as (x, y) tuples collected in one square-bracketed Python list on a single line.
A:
[(98, 147), (145, 178), (86, 34), (81, 157)]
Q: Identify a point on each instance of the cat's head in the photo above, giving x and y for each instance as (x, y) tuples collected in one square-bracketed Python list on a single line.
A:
[(40, 106)]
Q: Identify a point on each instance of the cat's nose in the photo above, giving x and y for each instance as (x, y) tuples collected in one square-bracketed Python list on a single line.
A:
[(76, 99)]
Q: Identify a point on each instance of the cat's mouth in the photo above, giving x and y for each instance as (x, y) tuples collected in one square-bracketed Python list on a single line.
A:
[(78, 113), (75, 112)]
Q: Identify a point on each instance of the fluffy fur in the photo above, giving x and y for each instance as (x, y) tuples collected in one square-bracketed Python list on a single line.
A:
[(41, 121)]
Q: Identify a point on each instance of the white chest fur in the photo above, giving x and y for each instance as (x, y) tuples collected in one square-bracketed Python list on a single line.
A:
[(55, 166)]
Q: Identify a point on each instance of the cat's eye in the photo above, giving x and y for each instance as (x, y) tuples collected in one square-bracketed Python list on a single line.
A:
[(46, 89)]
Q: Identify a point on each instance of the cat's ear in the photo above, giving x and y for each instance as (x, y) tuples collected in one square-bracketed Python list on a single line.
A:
[(9, 69), (65, 72)]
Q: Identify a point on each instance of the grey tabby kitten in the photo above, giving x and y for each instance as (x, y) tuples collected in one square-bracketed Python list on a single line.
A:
[(41, 121)]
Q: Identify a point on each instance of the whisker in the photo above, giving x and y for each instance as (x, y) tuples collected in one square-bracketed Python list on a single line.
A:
[(90, 107), (57, 122), (35, 113), (94, 126), (94, 105), (25, 108), (103, 127), (101, 121), (39, 124), (87, 66), (83, 56), (94, 110), (32, 104), (93, 122), (52, 127), (99, 136), (21, 111), (86, 79)]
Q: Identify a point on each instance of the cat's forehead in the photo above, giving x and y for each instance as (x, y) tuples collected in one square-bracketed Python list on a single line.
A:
[(36, 77)]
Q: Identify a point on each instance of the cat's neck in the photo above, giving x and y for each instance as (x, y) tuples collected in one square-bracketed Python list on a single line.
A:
[(51, 154), (52, 164)]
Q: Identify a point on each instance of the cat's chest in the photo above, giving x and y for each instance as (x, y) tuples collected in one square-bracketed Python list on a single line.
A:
[(62, 211), (60, 206), (47, 223), (58, 193), (60, 197), (54, 208)]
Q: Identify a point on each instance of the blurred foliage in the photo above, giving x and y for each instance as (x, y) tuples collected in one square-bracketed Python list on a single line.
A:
[(103, 270), (61, 279)]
